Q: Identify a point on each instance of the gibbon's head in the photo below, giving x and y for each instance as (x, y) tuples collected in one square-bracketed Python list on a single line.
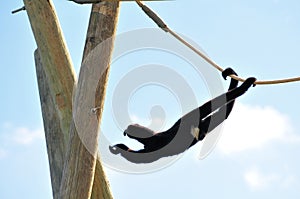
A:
[(138, 131)]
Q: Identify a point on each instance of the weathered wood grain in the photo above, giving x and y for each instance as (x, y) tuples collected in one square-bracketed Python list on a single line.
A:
[(52, 127), (56, 79), (55, 58), (82, 153), (56, 84)]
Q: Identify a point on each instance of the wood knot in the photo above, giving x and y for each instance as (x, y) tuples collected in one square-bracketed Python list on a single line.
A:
[(60, 101)]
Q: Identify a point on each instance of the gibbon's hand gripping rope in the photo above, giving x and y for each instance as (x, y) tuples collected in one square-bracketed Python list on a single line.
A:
[(164, 27)]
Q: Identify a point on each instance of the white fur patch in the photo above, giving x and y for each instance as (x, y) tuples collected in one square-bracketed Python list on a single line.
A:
[(195, 132)]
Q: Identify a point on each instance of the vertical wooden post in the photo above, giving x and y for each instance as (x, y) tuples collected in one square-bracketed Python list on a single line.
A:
[(77, 181), (102, 26)]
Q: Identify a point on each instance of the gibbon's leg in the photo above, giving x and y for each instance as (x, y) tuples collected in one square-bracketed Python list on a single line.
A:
[(140, 156), (173, 130), (137, 157), (211, 122), (118, 148), (121, 148)]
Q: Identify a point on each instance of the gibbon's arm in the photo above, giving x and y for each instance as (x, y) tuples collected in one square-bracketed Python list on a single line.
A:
[(207, 108), (211, 122)]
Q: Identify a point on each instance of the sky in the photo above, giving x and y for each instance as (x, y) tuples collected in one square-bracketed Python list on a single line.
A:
[(253, 155)]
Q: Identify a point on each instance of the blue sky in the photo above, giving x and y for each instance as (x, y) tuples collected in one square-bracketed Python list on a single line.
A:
[(257, 153)]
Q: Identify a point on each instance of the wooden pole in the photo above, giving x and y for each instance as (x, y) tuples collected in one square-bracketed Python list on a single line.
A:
[(102, 26), (55, 58), (78, 177), (56, 79), (52, 127), (98, 1)]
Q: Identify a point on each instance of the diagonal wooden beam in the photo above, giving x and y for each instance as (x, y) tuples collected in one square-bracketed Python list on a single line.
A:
[(54, 56), (56, 79)]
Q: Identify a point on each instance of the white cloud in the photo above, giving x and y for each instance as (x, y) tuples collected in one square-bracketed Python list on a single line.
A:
[(257, 181), (12, 136), (26, 136), (253, 127), (19, 135)]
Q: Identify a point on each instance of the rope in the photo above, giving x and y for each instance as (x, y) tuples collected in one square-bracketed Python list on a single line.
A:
[(164, 27)]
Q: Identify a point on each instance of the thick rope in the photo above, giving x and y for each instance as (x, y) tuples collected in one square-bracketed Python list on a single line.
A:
[(164, 27)]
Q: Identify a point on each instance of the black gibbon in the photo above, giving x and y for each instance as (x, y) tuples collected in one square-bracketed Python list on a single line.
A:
[(187, 131)]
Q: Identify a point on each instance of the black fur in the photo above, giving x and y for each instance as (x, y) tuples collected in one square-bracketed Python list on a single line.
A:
[(179, 137)]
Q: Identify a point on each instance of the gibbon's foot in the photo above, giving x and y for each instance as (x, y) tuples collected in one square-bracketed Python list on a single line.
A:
[(227, 72), (116, 149), (249, 82)]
